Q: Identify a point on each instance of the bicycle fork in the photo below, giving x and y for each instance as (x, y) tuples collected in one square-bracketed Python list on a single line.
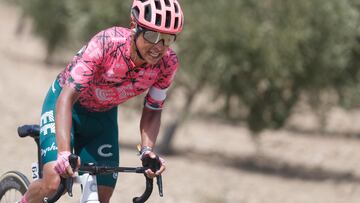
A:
[(89, 188)]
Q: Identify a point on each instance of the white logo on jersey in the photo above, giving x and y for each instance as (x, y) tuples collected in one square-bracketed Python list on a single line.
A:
[(48, 149), (125, 91), (47, 122), (104, 95), (103, 154)]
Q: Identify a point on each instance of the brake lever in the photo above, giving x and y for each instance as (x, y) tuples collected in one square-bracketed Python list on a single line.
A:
[(160, 185), (69, 184), (154, 165), (70, 181)]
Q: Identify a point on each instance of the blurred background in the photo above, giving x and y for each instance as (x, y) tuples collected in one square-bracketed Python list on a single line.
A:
[(265, 107)]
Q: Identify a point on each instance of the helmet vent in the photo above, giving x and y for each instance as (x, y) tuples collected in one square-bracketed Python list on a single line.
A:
[(158, 5), (135, 12), (168, 19), (148, 13), (176, 8), (143, 1), (167, 3), (176, 23), (158, 20)]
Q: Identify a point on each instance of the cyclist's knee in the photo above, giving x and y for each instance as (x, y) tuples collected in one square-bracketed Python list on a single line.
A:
[(105, 193), (44, 186), (51, 185)]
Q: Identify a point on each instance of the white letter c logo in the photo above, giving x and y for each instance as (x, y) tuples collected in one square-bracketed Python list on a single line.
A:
[(101, 148)]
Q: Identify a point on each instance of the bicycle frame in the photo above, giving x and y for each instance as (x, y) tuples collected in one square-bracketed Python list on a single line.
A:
[(89, 186)]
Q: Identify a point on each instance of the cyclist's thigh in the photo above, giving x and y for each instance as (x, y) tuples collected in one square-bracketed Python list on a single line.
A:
[(48, 144), (47, 125), (96, 140)]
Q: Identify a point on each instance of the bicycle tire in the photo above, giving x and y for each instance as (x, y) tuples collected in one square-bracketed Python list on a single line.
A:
[(13, 185)]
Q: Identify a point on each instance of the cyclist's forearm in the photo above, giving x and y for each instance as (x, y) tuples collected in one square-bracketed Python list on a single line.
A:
[(149, 126), (63, 120), (63, 125)]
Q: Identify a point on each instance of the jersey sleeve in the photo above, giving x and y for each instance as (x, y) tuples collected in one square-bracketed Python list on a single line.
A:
[(156, 95), (86, 63)]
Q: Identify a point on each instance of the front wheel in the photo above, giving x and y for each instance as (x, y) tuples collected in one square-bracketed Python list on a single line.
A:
[(13, 186)]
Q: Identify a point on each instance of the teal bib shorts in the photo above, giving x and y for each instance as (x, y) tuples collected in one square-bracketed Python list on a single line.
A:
[(94, 135)]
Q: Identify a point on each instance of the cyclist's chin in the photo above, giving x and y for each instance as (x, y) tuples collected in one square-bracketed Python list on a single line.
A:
[(152, 60)]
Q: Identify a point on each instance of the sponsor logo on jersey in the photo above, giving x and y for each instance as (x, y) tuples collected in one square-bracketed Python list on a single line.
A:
[(104, 94), (104, 150), (53, 147), (125, 91), (47, 123)]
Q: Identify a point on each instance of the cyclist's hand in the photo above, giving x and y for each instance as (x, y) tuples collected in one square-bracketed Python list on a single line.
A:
[(62, 166), (148, 156)]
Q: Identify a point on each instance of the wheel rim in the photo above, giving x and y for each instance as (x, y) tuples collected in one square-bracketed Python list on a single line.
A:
[(13, 185)]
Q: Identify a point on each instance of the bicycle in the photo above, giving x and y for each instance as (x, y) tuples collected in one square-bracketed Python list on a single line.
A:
[(13, 184)]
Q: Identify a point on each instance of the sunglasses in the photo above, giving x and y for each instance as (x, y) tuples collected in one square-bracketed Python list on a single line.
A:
[(154, 37)]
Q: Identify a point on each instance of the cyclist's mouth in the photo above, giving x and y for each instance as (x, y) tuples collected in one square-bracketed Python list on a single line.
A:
[(154, 54)]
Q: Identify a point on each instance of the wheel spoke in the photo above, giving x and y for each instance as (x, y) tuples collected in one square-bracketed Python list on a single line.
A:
[(11, 196)]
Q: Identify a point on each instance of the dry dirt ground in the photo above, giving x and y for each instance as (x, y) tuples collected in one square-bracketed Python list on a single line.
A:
[(215, 163)]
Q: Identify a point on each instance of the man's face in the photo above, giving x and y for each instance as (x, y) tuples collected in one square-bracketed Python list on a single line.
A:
[(152, 53)]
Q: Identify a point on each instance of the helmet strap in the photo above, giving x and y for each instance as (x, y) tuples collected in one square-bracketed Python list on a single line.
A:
[(137, 50), (136, 35)]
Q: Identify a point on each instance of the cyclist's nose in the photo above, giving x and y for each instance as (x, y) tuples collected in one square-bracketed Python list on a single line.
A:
[(160, 45)]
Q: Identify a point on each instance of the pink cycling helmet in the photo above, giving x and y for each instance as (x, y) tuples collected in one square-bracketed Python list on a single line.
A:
[(163, 16)]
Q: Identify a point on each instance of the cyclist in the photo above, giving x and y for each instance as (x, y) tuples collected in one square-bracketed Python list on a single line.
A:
[(80, 109)]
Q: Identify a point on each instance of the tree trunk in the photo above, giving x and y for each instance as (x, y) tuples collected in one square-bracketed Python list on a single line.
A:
[(20, 24), (165, 147)]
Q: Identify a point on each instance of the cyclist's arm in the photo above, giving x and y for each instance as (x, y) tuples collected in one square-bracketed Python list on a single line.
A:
[(149, 126), (63, 120), (154, 102)]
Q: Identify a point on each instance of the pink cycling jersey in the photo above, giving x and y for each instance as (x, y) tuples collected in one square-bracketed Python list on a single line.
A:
[(105, 75)]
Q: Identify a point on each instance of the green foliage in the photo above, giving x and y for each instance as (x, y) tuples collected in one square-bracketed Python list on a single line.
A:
[(267, 53), (61, 22), (91, 16), (50, 18)]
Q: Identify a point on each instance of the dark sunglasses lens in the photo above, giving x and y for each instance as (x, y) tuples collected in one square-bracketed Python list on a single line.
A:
[(155, 37), (169, 39), (151, 36)]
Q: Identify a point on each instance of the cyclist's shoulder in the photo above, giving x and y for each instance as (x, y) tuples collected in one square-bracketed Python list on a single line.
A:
[(113, 34), (170, 58)]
